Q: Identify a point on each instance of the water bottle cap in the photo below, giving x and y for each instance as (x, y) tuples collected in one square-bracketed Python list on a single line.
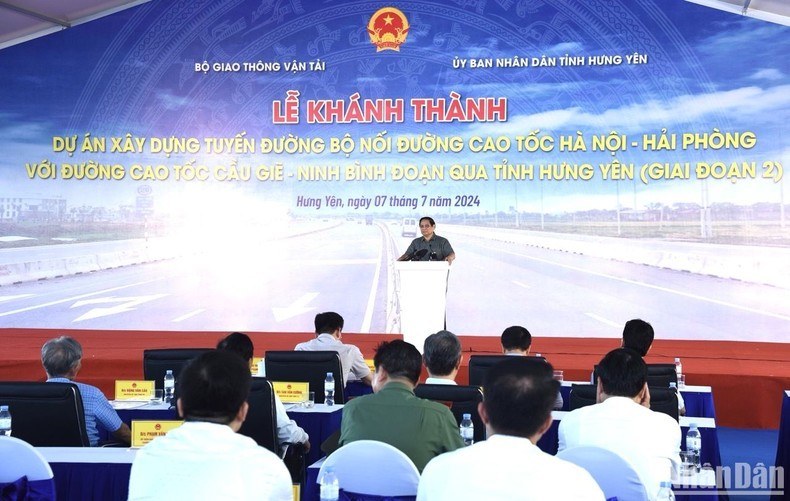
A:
[(3, 407), (666, 483), (677, 360), (169, 371), (693, 425), (467, 416), (328, 373)]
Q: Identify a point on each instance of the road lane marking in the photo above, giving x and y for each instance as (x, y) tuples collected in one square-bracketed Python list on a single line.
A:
[(126, 304), (189, 315), (368, 318), (603, 320), (10, 298), (296, 308), (331, 262), (68, 300), (521, 285), (646, 285)]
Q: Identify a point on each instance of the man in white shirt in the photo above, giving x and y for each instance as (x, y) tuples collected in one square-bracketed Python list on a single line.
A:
[(622, 421), (441, 353), (287, 429), (205, 458), (516, 341), (329, 332), (509, 465)]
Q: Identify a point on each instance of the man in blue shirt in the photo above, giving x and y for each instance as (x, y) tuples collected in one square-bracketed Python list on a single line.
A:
[(62, 359)]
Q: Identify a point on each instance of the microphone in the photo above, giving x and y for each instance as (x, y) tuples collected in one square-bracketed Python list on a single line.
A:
[(432, 256), (418, 255)]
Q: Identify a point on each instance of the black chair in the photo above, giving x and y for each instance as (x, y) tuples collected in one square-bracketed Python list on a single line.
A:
[(661, 399), (659, 375), (156, 362), (261, 422), (460, 399), (46, 414), (479, 365), (582, 395), (308, 367)]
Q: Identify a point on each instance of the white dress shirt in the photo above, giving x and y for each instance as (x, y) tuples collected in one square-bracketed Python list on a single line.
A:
[(439, 380), (507, 468), (351, 360), (287, 429), (200, 460), (649, 440)]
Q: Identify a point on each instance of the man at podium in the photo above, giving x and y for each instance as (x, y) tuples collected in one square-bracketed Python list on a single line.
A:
[(430, 246)]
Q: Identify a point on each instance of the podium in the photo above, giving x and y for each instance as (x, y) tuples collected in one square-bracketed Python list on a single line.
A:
[(422, 296)]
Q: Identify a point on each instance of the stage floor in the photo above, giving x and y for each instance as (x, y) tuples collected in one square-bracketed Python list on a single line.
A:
[(748, 379)]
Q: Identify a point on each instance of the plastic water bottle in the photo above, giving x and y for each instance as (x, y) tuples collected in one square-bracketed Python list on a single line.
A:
[(5, 421), (694, 444), (467, 429), (665, 492), (170, 386), (329, 389), (678, 368), (330, 487)]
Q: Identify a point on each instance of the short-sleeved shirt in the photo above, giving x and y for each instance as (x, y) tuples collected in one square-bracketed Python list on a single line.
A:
[(438, 248), (98, 410), (351, 360), (420, 428)]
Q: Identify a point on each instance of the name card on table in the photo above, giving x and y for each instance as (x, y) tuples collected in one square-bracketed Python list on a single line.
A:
[(144, 431), (290, 392), (134, 390), (370, 364), (255, 368)]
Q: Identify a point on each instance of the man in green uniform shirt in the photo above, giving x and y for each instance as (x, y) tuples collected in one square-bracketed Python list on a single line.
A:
[(422, 429)]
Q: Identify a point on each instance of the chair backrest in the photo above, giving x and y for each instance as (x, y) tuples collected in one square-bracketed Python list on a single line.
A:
[(261, 422), (25, 467), (664, 400), (661, 375), (373, 468), (46, 414), (582, 395), (156, 362), (461, 400), (21, 459), (614, 474), (661, 399), (479, 365), (309, 367)]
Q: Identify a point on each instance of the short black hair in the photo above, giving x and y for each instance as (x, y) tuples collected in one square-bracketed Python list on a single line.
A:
[(638, 335), (239, 343), (429, 219), (213, 386), (623, 373), (441, 353), (516, 337), (519, 396), (328, 322), (399, 359)]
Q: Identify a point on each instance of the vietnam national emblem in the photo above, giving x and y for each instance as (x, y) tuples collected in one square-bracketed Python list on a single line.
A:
[(388, 28)]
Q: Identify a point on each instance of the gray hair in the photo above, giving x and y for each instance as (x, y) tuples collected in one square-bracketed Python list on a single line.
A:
[(60, 355)]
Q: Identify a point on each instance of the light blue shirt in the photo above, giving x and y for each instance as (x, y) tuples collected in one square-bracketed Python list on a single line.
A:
[(97, 410)]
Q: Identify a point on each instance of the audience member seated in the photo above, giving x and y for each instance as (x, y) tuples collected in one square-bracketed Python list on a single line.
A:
[(62, 360), (287, 429), (442, 356), (638, 335), (329, 332), (623, 423), (509, 465), (393, 414), (205, 458), (516, 340)]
